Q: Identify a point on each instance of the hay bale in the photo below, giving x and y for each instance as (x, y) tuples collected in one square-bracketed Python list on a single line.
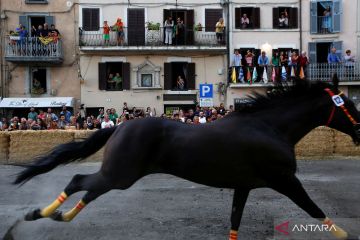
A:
[(4, 147), (81, 135), (318, 144), (344, 146), (25, 145)]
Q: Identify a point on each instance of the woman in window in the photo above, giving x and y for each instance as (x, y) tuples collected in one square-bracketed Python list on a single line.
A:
[(326, 21), (245, 21), (219, 30), (180, 83), (284, 20)]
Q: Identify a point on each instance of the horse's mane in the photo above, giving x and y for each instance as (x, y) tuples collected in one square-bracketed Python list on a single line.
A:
[(282, 93)]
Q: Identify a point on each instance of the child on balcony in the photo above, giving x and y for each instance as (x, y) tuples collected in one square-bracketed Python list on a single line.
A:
[(106, 32)]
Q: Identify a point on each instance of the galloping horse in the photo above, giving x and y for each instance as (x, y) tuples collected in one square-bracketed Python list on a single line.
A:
[(254, 149)]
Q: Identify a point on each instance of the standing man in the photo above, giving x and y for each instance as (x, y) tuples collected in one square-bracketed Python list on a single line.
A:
[(66, 113), (263, 62), (236, 63), (332, 57), (32, 114)]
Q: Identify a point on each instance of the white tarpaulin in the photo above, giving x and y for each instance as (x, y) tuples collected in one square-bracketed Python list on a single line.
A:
[(36, 102)]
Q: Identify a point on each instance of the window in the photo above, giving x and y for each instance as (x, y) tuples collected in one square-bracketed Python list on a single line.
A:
[(36, 1), (285, 17), (212, 16), (38, 81), (250, 16), (114, 76), (179, 70), (318, 51), (91, 19), (325, 16)]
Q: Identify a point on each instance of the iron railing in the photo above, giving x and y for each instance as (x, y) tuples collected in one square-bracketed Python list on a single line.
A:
[(324, 24), (33, 49), (146, 37), (347, 72)]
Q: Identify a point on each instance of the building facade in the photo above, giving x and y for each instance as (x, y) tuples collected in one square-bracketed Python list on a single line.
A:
[(145, 64), (34, 66)]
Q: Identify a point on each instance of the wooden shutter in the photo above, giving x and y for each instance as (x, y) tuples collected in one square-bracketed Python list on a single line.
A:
[(90, 17), (312, 52), (189, 27), (102, 76), (190, 81), (136, 26), (49, 20), (313, 18), (237, 18), (23, 20), (212, 16), (256, 17), (126, 75), (336, 13), (167, 76), (276, 17), (293, 18)]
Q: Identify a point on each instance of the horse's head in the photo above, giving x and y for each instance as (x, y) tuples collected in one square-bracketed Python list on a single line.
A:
[(343, 115)]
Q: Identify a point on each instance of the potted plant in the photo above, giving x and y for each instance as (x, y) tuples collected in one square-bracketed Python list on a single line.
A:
[(153, 26), (198, 27)]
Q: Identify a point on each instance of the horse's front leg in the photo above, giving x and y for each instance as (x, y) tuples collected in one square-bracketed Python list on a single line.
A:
[(239, 200)]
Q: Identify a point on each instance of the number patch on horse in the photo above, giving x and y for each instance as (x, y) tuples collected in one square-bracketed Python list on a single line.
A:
[(338, 100)]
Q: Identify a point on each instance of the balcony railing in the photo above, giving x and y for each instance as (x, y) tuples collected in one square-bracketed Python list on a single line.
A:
[(33, 49), (313, 72), (146, 37), (324, 24), (325, 71)]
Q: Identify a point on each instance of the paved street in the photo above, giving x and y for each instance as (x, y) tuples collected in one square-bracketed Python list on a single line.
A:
[(165, 207)]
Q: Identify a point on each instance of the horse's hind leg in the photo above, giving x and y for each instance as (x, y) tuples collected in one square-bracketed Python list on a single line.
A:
[(92, 182), (293, 189)]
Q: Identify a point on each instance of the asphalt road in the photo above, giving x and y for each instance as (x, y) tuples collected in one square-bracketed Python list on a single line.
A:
[(165, 207)]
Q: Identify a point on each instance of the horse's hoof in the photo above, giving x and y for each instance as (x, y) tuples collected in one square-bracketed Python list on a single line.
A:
[(57, 216), (33, 215)]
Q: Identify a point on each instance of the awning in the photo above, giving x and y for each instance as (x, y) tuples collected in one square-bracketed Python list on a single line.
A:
[(37, 102)]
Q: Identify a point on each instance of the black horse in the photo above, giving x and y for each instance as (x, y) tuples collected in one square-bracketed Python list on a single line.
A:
[(248, 149)]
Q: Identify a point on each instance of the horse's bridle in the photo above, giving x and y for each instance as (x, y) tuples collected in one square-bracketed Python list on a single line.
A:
[(339, 102)]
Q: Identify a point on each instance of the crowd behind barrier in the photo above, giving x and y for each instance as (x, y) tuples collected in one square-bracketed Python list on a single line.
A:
[(40, 120)]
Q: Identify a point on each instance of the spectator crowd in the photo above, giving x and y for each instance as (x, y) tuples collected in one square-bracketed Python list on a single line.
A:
[(65, 120)]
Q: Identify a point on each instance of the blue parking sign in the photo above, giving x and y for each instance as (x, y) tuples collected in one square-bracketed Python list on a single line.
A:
[(206, 91)]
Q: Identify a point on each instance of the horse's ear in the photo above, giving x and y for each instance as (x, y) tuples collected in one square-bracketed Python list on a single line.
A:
[(335, 81)]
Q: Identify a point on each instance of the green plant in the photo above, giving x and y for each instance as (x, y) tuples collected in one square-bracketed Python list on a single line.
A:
[(153, 26)]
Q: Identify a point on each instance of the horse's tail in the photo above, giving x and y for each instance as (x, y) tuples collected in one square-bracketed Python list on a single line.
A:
[(65, 153)]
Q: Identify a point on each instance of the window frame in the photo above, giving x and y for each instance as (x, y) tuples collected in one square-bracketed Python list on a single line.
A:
[(36, 1), (81, 7), (291, 11), (255, 23)]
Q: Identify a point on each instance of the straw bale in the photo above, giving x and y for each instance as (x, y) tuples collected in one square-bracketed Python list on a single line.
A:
[(344, 146), (25, 145), (4, 147), (81, 136), (319, 144)]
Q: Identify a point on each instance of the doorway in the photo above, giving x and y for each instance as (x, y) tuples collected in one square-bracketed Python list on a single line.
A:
[(179, 69), (35, 22), (322, 51), (38, 80)]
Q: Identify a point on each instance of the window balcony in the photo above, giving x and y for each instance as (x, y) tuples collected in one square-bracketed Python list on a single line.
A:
[(152, 40), (348, 74), (33, 49)]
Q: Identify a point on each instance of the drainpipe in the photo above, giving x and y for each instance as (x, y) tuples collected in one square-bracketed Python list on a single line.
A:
[(227, 5), (300, 25)]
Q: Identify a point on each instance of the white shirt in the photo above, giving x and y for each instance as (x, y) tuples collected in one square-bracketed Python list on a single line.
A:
[(202, 119), (107, 124)]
